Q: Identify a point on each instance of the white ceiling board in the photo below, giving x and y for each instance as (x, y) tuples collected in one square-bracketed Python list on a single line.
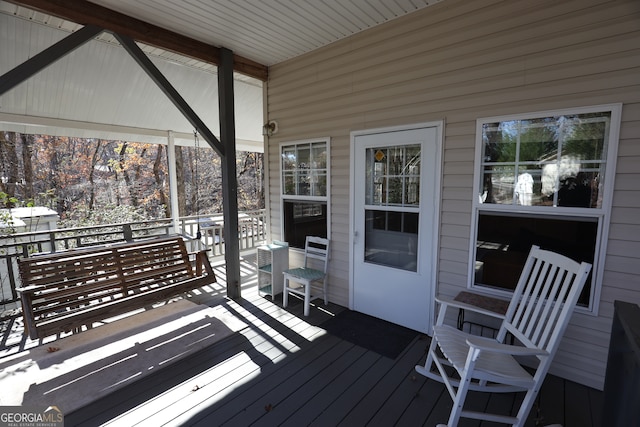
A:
[(266, 31)]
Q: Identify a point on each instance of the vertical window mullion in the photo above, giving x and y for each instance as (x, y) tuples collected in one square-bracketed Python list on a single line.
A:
[(387, 175), (561, 132), (516, 169)]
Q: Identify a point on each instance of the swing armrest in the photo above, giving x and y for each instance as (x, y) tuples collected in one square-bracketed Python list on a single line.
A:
[(200, 251), (202, 263)]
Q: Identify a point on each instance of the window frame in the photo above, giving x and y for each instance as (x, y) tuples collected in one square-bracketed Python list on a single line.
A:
[(284, 198), (601, 214)]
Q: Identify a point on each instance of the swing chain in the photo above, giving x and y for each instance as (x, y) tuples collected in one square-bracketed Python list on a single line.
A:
[(197, 182)]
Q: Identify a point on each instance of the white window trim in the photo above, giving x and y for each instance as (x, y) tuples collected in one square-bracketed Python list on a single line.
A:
[(285, 197), (602, 214)]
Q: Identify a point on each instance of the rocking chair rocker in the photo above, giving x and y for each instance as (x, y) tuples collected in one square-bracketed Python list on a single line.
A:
[(537, 317)]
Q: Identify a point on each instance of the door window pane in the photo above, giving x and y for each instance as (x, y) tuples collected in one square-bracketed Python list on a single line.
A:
[(391, 239), (393, 176)]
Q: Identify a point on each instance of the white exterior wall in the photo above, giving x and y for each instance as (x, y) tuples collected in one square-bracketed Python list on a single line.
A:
[(457, 61)]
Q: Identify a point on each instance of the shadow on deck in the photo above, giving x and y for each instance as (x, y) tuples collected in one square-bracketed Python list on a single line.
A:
[(284, 369)]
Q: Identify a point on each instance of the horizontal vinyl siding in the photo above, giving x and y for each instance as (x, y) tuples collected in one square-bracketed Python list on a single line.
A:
[(622, 267), (457, 61)]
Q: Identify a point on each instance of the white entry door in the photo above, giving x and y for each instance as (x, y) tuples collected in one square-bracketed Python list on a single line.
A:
[(395, 212)]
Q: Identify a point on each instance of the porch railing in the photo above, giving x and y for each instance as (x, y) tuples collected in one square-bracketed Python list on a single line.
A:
[(251, 232)]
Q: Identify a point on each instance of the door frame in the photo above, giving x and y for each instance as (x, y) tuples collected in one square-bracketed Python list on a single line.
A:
[(439, 126)]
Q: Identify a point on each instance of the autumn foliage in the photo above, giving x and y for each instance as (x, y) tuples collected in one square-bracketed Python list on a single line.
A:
[(94, 181)]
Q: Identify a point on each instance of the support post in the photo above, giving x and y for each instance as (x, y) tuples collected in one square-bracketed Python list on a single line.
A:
[(229, 179), (173, 182)]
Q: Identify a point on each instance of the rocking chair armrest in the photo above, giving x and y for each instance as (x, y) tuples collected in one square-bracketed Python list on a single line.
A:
[(497, 347), (450, 302)]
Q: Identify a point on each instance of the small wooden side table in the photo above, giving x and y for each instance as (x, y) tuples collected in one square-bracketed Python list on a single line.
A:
[(496, 305)]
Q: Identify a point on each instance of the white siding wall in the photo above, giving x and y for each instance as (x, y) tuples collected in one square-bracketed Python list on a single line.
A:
[(457, 61)]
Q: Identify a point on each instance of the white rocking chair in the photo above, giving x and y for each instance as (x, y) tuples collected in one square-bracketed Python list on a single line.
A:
[(303, 280), (537, 317)]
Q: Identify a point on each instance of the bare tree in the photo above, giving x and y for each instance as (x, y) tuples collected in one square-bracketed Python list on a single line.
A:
[(9, 157), (27, 153), (160, 182), (182, 198), (92, 171)]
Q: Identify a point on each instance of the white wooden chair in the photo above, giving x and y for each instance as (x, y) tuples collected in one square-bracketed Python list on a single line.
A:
[(306, 281), (537, 317)]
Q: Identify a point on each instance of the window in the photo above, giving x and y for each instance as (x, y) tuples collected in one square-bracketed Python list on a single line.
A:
[(543, 179), (305, 188)]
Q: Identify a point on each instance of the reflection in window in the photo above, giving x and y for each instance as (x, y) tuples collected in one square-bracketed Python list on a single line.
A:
[(550, 161), (304, 169), (543, 180), (305, 190), (392, 195), (303, 219), (391, 239), (393, 176), (504, 241)]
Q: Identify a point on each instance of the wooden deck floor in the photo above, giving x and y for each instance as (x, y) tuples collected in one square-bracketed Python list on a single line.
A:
[(284, 369)]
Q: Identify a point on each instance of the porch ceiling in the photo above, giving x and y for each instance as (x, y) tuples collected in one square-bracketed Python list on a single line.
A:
[(98, 91), (264, 31)]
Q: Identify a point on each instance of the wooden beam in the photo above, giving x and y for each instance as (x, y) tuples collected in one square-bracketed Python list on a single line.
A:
[(174, 96), (42, 60), (87, 13)]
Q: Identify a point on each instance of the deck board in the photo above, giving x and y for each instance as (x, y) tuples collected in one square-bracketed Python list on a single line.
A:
[(596, 404), (327, 403), (259, 349), (500, 403), (421, 407), (295, 400), (260, 393), (577, 411), (407, 389), (283, 369), (354, 391), (369, 406), (547, 407)]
